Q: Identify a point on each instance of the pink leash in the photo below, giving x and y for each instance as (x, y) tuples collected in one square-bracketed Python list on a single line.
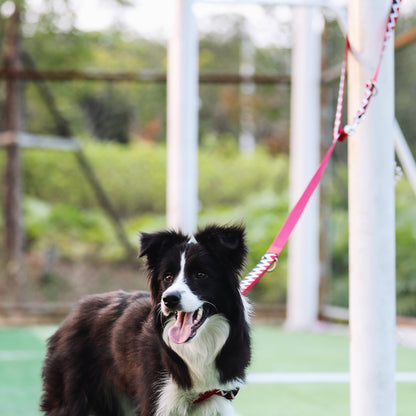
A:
[(339, 135)]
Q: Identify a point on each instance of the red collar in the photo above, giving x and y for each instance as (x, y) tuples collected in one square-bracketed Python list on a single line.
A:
[(228, 394)]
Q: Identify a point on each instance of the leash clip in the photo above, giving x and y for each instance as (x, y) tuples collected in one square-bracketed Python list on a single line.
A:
[(373, 87), (273, 265), (349, 130)]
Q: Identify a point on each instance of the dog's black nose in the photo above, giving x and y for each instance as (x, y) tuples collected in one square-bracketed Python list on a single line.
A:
[(172, 299)]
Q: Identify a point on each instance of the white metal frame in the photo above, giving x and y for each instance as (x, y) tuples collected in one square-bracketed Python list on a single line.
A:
[(302, 306), (182, 127), (371, 218), (371, 156)]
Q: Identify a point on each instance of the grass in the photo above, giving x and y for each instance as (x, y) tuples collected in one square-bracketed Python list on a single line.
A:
[(274, 350)]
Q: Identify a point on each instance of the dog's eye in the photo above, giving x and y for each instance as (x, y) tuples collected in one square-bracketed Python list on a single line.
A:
[(201, 275), (168, 277)]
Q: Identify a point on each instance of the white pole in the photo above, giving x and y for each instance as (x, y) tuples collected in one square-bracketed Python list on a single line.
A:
[(247, 141), (303, 267), (371, 213), (182, 123)]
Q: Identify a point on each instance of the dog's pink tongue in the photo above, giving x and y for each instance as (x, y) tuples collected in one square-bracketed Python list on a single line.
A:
[(181, 331)]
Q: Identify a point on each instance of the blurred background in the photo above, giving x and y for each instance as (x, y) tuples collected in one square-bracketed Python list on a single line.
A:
[(96, 71)]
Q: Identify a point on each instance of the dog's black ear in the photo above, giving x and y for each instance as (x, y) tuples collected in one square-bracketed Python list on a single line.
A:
[(226, 243), (154, 245)]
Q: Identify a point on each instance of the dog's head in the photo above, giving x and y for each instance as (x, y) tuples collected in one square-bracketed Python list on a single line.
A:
[(195, 277)]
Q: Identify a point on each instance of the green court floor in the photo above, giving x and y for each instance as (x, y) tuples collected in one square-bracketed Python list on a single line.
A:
[(274, 351)]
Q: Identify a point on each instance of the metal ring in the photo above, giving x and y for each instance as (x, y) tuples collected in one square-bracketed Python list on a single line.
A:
[(350, 130), (375, 87), (273, 265)]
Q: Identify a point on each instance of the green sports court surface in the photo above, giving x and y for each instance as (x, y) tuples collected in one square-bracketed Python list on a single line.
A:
[(292, 374)]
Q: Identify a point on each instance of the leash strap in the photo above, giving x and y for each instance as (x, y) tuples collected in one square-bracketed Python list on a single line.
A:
[(281, 239), (339, 135)]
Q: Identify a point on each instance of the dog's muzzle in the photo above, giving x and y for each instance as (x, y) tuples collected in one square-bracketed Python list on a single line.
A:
[(187, 322)]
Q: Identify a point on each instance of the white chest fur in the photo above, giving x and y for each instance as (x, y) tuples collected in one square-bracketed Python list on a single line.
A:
[(199, 354)]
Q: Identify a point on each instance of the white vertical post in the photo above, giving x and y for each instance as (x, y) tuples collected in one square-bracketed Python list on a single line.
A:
[(371, 213), (247, 141), (303, 267), (182, 123)]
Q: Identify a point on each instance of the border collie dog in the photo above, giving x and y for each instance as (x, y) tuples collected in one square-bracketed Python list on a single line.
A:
[(181, 349)]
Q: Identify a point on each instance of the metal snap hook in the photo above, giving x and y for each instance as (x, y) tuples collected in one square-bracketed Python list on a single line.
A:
[(375, 88), (350, 130), (273, 265)]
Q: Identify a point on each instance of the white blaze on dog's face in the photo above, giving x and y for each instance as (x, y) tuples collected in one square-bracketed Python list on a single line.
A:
[(188, 301), (186, 305)]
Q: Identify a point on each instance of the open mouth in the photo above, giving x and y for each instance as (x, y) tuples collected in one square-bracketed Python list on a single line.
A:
[(186, 325)]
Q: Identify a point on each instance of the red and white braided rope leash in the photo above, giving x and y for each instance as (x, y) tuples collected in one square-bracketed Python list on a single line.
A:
[(339, 135)]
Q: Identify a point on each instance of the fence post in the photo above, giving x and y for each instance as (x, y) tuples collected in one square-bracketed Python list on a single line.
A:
[(246, 139), (13, 220), (372, 217), (303, 266), (182, 148)]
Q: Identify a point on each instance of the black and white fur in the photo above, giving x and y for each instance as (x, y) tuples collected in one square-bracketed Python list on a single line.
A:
[(153, 354)]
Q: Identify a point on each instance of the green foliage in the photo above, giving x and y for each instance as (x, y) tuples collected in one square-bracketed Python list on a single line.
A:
[(61, 211), (60, 208), (237, 175), (135, 176), (405, 63), (108, 115), (262, 214), (142, 106), (114, 50), (265, 214), (405, 249), (70, 228)]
